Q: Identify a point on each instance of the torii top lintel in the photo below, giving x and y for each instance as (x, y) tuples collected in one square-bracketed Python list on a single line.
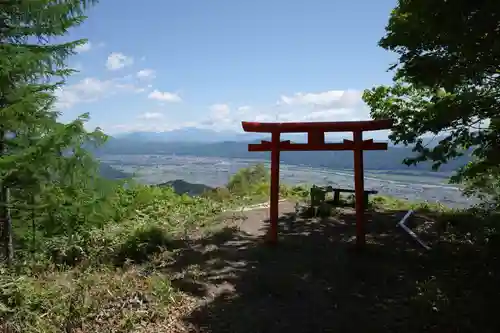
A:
[(339, 126)]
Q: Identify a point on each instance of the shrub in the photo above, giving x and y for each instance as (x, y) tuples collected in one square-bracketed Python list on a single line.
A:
[(249, 180)]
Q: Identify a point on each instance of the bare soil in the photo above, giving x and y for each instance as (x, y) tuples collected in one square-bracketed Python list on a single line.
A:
[(314, 279)]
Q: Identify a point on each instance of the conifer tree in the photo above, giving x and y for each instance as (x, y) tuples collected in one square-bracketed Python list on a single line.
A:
[(36, 150)]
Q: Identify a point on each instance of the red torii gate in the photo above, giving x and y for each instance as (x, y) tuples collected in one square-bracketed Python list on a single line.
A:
[(316, 141)]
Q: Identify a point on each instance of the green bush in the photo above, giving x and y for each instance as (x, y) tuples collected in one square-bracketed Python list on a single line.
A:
[(217, 194), (249, 180)]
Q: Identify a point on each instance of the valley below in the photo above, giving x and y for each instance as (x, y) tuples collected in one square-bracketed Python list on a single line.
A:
[(411, 184)]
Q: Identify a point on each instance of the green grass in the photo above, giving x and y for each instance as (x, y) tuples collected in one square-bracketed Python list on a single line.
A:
[(90, 280), (111, 277), (97, 299)]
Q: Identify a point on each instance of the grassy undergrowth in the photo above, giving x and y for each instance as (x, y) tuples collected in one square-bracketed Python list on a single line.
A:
[(102, 278), (95, 274)]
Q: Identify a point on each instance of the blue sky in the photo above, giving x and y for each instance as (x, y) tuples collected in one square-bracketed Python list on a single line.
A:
[(158, 65)]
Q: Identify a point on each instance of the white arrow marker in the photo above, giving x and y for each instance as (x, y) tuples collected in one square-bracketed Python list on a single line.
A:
[(410, 232)]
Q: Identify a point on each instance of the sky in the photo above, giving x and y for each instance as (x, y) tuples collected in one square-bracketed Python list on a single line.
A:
[(159, 65)]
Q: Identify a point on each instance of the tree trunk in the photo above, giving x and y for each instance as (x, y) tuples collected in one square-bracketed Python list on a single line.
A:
[(5, 216)]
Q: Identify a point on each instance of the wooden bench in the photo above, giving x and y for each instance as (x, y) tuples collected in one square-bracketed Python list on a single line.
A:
[(337, 191)]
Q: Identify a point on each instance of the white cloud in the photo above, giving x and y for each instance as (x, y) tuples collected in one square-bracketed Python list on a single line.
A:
[(244, 109), (83, 48), (334, 105), (86, 90), (151, 115), (332, 115), (326, 99), (146, 74), (320, 106), (165, 96), (118, 60), (219, 118), (220, 111), (92, 89), (263, 117)]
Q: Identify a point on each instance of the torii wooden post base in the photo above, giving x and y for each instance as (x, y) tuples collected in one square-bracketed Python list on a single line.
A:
[(316, 141)]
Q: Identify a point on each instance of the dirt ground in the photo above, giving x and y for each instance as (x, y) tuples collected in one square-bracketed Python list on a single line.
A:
[(314, 280)]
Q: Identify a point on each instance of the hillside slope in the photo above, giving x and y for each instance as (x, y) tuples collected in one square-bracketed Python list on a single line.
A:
[(181, 187), (108, 172)]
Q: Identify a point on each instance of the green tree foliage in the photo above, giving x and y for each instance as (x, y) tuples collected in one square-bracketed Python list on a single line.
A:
[(249, 180), (40, 157), (446, 82)]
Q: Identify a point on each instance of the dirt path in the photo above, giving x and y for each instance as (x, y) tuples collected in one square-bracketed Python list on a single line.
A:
[(244, 285), (312, 281), (253, 222)]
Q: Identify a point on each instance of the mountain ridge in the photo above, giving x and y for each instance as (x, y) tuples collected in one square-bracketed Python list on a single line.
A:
[(180, 186), (108, 172), (188, 134), (374, 160), (203, 136)]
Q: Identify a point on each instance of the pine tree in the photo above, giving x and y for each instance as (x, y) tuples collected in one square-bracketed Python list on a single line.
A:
[(35, 149)]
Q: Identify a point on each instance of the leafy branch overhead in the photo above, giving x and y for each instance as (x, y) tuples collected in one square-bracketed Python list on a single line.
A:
[(446, 82)]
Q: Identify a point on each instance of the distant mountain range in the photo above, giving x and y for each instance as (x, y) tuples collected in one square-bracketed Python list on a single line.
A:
[(200, 135), (189, 134), (374, 160)]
